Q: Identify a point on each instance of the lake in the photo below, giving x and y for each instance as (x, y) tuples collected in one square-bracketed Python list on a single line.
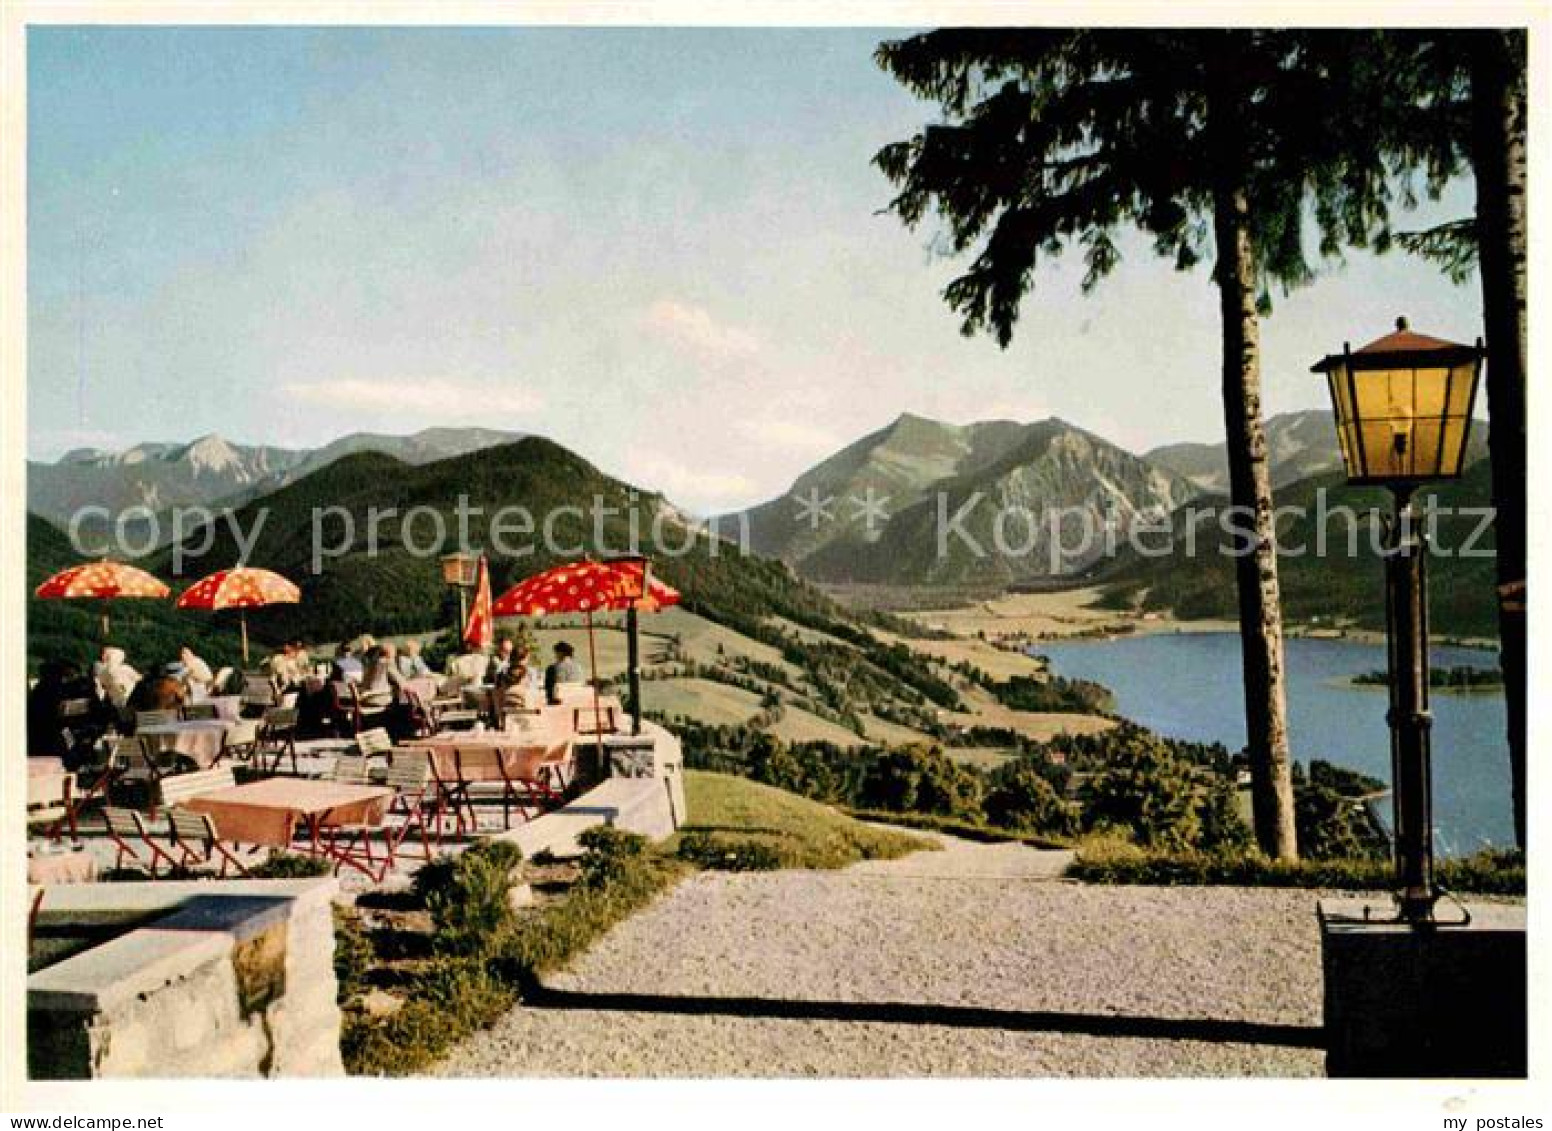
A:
[(1188, 686)]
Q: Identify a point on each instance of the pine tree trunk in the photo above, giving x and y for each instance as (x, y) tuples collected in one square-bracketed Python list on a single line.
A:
[(1498, 158), (1250, 487)]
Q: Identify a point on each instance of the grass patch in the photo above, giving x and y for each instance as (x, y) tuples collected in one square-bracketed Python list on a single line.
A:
[(1112, 860), (958, 826), (742, 825), (483, 957), (497, 956)]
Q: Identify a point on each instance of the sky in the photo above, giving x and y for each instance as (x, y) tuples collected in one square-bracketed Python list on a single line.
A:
[(663, 248)]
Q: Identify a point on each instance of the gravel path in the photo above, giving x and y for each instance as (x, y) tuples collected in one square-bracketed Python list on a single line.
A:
[(973, 961)]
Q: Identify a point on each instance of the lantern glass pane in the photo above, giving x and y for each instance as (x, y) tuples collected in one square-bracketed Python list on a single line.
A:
[(1342, 394), (1430, 388), (1386, 447), (1453, 445), (1462, 386), (1426, 434)]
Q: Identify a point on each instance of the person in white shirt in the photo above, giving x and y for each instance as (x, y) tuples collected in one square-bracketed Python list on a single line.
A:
[(116, 678), (411, 664), (196, 673)]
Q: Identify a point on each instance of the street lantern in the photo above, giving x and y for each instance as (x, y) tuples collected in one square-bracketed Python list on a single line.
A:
[(1403, 406), (1403, 415), (461, 571)]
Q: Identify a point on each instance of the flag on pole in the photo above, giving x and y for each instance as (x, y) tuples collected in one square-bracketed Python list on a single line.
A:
[(480, 632)]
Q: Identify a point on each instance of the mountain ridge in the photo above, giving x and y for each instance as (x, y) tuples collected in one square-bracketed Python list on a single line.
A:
[(916, 464), (212, 471)]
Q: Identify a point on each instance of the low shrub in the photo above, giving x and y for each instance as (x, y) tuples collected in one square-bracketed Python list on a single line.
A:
[(353, 953), (728, 853), (452, 1000), (1110, 859), (609, 854), (469, 896), (1492, 871), (291, 866)]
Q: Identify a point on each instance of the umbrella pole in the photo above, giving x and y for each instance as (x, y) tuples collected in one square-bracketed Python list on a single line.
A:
[(633, 659), (105, 626), (242, 619), (598, 715)]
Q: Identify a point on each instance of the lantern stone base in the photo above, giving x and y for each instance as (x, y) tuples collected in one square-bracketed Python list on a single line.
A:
[(1442, 1001)]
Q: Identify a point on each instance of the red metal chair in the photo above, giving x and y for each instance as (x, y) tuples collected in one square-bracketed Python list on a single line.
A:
[(127, 831), (194, 837)]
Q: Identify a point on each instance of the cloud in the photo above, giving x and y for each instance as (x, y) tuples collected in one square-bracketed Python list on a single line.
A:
[(439, 398), (693, 328), (790, 436), (50, 444), (696, 489)]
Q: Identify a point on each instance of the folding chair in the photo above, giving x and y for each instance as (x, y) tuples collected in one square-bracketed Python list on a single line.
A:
[(200, 711), (422, 721), (258, 693), (49, 800), (352, 769), (451, 793), (126, 828), (485, 703), (414, 801), (277, 736), (155, 718), (375, 743), (352, 844), (194, 836), (139, 759)]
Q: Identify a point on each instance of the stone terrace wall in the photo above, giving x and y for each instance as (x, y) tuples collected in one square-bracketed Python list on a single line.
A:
[(237, 980)]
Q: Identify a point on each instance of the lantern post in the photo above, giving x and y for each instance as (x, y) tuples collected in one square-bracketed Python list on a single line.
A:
[(1403, 416)]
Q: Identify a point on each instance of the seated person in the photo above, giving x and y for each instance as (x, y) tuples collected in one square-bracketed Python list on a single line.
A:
[(501, 662), (411, 664), (347, 666), (196, 673), (381, 674), (59, 682), (115, 678), (565, 669), (283, 668), (164, 691)]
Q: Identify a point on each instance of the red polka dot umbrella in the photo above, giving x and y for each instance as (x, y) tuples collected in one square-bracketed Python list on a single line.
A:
[(102, 580), (588, 587), (242, 588)]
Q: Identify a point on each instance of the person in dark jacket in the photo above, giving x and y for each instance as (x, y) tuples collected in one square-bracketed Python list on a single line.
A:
[(61, 682)]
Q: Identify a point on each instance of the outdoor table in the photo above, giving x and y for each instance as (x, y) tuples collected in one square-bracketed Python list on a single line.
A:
[(482, 757), (200, 740), (73, 867), (227, 706), (269, 812), (425, 687), (524, 763)]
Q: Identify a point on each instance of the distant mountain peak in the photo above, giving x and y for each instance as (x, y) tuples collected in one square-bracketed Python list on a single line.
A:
[(212, 455)]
